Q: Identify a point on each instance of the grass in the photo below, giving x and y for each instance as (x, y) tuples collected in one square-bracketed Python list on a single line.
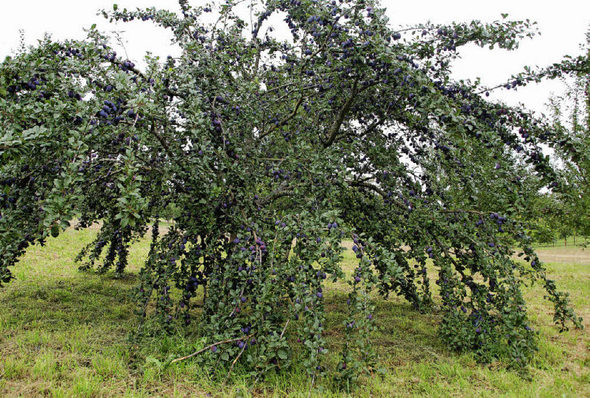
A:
[(64, 333)]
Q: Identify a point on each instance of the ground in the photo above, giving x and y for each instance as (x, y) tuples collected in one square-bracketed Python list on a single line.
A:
[(66, 333)]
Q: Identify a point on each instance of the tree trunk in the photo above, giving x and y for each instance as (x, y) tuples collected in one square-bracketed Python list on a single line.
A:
[(574, 237)]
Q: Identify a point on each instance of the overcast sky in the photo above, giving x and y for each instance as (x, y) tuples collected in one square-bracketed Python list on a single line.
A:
[(562, 26)]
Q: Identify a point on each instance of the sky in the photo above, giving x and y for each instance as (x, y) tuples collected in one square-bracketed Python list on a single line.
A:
[(562, 26)]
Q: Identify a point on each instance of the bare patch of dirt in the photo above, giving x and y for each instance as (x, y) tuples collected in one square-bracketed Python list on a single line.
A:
[(573, 255)]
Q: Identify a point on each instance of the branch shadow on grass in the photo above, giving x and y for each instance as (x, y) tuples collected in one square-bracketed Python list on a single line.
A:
[(85, 299), (403, 334)]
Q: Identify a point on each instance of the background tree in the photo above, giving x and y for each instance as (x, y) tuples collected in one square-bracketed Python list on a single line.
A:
[(571, 116), (266, 153), (552, 218)]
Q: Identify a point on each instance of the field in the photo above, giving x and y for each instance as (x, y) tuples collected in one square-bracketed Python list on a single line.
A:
[(65, 333)]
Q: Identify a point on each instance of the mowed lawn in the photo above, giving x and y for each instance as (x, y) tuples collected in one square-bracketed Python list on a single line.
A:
[(66, 333)]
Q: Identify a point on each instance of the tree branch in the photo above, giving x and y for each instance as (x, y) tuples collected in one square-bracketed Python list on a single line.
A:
[(164, 144), (284, 121), (209, 347), (333, 132)]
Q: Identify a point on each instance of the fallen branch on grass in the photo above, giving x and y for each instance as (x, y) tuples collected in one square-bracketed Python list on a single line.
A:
[(209, 347)]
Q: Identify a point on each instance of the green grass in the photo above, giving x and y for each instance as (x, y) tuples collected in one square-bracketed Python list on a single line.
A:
[(64, 333)]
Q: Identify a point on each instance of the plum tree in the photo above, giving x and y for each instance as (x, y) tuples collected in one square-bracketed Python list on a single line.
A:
[(265, 152)]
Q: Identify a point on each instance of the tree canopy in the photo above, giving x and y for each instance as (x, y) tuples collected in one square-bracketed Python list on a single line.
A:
[(265, 153), (571, 117)]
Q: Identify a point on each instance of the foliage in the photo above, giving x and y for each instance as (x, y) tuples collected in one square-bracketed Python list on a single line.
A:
[(571, 116), (266, 153)]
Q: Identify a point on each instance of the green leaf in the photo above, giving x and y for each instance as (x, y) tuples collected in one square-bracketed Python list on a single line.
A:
[(282, 354)]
